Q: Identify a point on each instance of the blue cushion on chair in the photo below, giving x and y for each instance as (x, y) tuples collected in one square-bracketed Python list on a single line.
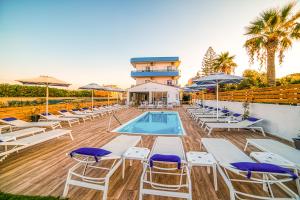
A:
[(75, 109), (262, 167), (63, 111), (89, 151), (252, 119), (236, 115), (44, 114), (9, 119), (166, 158)]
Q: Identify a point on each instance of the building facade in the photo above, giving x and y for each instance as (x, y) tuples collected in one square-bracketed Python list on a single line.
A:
[(156, 80), (163, 70)]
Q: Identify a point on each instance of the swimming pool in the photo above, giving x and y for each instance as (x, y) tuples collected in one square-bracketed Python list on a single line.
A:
[(153, 123)]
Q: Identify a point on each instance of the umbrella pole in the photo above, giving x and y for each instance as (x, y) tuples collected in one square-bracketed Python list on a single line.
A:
[(217, 100), (107, 98), (47, 98), (92, 100)]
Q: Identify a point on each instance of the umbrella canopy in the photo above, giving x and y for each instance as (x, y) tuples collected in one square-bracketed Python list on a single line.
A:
[(92, 86), (47, 81), (44, 80), (217, 79)]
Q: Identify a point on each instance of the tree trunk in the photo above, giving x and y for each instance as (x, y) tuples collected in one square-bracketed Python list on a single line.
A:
[(271, 77)]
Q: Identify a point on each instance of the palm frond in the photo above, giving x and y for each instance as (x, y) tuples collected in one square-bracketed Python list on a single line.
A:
[(286, 11)]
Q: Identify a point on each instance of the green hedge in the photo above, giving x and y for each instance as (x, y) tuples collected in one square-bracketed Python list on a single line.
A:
[(7, 90), (6, 196)]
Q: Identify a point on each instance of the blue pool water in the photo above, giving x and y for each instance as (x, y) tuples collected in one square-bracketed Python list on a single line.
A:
[(154, 123)]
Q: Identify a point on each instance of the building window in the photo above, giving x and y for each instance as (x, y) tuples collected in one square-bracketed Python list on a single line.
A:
[(148, 69), (169, 68), (169, 82)]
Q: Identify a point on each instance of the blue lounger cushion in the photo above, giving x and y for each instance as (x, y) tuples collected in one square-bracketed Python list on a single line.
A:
[(89, 151), (252, 119), (262, 167), (236, 114), (63, 111), (166, 158), (9, 119), (75, 109)]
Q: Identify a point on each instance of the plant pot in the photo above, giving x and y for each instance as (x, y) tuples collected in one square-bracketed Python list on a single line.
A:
[(34, 118), (297, 143)]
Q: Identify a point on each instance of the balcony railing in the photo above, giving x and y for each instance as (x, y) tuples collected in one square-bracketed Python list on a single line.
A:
[(147, 73)]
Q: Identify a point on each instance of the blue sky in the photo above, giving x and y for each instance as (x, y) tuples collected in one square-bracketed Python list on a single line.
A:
[(92, 41)]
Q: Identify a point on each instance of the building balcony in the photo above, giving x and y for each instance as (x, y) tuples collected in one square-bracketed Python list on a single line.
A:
[(149, 73)]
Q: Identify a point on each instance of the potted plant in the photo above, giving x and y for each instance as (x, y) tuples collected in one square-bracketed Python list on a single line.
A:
[(246, 106), (34, 117)]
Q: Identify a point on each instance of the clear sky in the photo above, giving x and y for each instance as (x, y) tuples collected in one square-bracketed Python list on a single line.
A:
[(83, 41)]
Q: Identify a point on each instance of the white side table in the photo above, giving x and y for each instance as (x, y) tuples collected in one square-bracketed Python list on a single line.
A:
[(267, 157), (134, 153), (2, 127), (203, 159)]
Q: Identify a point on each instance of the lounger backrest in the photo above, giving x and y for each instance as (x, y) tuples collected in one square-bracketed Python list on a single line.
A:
[(119, 145), (13, 121), (224, 151), (168, 146)]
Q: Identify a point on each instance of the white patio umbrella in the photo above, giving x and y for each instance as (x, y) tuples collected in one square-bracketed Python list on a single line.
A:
[(218, 78), (47, 81), (92, 86)]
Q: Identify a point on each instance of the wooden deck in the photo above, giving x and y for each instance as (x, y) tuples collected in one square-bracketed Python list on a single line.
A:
[(42, 169)]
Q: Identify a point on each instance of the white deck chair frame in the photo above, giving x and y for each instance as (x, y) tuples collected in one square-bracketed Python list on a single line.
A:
[(89, 163), (68, 114), (166, 190), (24, 124), (29, 141), (59, 118), (266, 180), (245, 124)]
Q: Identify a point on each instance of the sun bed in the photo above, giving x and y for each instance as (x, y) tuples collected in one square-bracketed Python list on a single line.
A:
[(117, 147), (55, 118), (68, 114), (213, 114), (275, 147), (244, 124), (13, 135), (166, 152), (23, 124), (159, 105), (170, 106), (79, 112), (234, 117), (25, 142), (228, 156), (88, 111)]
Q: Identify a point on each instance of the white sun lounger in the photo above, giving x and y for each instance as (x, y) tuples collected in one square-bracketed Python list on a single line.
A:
[(236, 117), (79, 112), (25, 142), (55, 118), (226, 153), (13, 135), (245, 124), (118, 146), (283, 150), (68, 114), (167, 146), (14, 122)]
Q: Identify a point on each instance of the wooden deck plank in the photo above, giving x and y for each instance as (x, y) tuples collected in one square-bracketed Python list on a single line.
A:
[(42, 169)]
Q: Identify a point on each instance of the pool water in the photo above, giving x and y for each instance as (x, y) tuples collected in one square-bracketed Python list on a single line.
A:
[(154, 123)]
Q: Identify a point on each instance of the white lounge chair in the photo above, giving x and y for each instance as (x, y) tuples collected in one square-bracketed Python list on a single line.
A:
[(275, 147), (160, 105), (79, 112), (226, 155), (14, 135), (68, 114), (25, 142), (78, 174), (166, 146), (56, 118), (244, 124), (14, 122), (234, 117), (170, 106), (88, 111)]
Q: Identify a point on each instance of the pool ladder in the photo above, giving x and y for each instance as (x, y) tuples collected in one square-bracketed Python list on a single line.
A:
[(110, 118)]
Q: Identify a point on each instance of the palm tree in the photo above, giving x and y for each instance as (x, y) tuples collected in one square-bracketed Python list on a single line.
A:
[(224, 63), (272, 34)]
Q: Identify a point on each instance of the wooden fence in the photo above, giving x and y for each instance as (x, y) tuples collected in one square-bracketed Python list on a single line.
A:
[(25, 112), (289, 94)]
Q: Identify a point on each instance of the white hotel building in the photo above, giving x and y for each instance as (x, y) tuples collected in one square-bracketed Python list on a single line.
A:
[(156, 80)]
